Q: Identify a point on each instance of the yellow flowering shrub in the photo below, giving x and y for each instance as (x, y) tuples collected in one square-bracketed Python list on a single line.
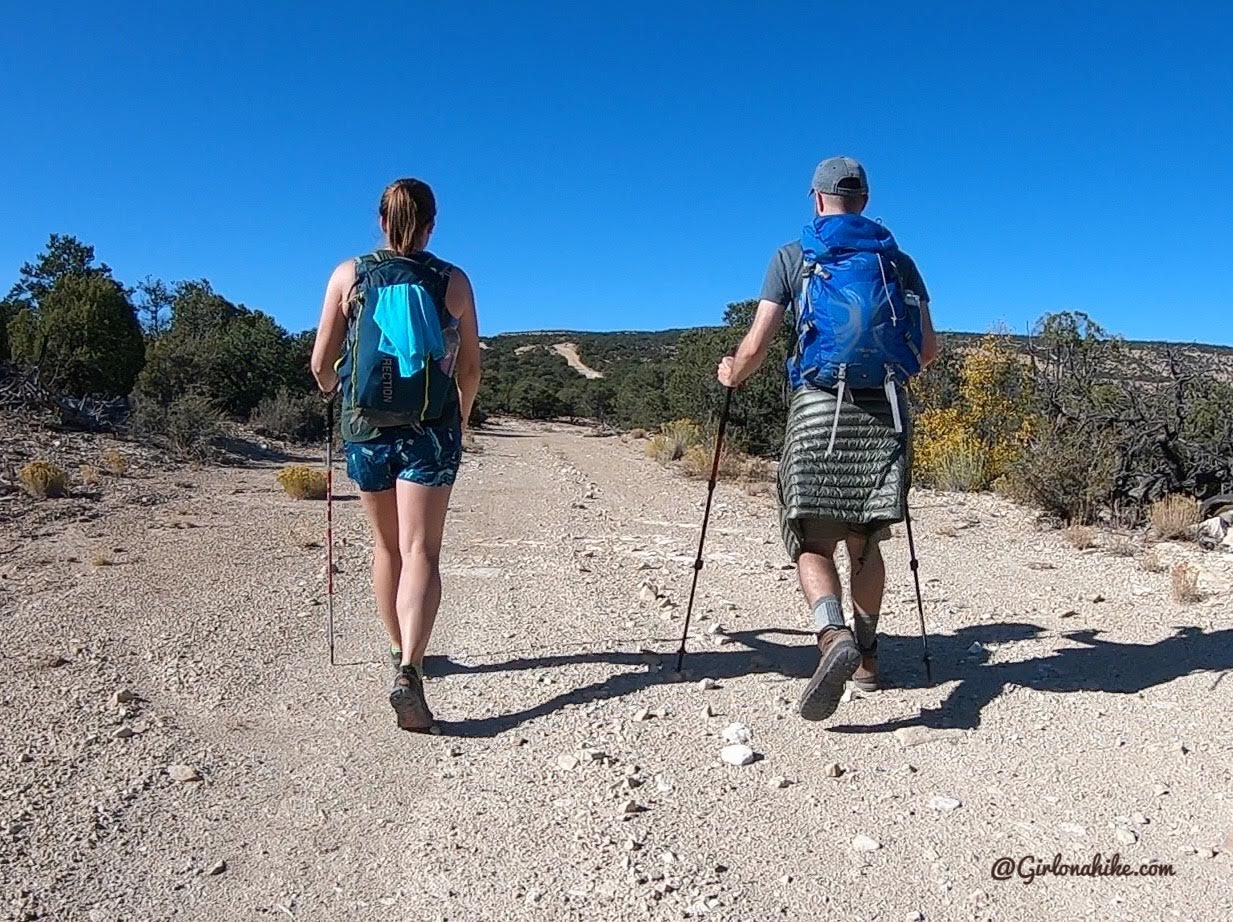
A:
[(970, 444)]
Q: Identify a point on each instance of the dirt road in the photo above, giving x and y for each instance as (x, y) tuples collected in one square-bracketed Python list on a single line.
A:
[(1075, 710)]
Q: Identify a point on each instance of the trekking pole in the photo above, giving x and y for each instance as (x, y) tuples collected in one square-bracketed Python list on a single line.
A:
[(329, 524), (914, 564), (706, 516)]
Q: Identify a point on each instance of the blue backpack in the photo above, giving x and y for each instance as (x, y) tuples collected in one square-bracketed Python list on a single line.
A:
[(856, 326), (397, 362)]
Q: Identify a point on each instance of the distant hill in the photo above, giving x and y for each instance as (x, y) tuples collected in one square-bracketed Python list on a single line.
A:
[(605, 351)]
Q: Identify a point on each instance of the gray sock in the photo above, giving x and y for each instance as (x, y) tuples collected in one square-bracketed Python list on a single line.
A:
[(827, 613), (866, 631)]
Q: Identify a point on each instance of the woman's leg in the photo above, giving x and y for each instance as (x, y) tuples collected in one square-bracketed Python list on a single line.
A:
[(382, 511), (421, 524)]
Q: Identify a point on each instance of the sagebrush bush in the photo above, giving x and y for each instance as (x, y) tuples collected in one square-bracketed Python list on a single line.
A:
[(90, 475), (674, 440), (1121, 546), (44, 480), (757, 470), (1175, 516), (961, 468), (302, 482), (1069, 473), (114, 462), (1185, 579), (290, 417), (696, 462), (1081, 537), (187, 426), (698, 459), (660, 448)]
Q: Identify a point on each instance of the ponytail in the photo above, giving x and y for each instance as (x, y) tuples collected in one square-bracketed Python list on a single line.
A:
[(408, 208)]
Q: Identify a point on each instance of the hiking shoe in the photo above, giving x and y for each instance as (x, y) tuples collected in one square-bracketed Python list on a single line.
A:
[(866, 676), (839, 659), (407, 700)]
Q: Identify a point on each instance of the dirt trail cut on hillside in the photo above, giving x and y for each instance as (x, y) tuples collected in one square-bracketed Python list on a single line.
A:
[(569, 352)]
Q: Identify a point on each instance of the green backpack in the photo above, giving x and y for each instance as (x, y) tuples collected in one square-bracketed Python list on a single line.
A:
[(397, 367)]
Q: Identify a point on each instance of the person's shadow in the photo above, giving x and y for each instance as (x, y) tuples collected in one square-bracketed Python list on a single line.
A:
[(1096, 665)]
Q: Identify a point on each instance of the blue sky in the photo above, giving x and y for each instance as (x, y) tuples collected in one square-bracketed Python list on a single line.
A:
[(634, 165)]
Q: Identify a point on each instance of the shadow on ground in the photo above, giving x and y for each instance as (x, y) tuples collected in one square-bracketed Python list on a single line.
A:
[(1093, 665)]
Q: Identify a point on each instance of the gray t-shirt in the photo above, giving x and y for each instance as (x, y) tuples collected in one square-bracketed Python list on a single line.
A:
[(783, 275)]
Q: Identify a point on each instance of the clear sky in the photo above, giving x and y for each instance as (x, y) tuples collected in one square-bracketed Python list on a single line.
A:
[(633, 165)]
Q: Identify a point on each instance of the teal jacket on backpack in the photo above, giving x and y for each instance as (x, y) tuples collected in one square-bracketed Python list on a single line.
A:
[(397, 362)]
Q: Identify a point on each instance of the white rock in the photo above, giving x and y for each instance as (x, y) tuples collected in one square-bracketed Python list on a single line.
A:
[(737, 734), (183, 773), (915, 736), (737, 754), (778, 782), (708, 685), (944, 804), (217, 868), (1213, 530), (1125, 836), (122, 696), (976, 649), (832, 769), (1073, 829), (915, 916), (1139, 819), (865, 844), (122, 733), (566, 762), (1205, 853), (668, 858), (715, 628), (642, 714), (707, 710), (648, 593)]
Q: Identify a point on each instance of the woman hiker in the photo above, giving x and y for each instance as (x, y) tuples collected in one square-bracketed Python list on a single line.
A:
[(399, 342)]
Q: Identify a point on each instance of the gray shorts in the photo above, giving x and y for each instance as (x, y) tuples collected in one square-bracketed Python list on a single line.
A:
[(817, 535)]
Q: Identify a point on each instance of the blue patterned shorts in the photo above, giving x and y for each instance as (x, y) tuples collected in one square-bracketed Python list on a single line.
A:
[(428, 456)]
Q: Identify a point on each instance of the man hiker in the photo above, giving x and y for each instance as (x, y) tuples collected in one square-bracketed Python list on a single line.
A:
[(861, 329)]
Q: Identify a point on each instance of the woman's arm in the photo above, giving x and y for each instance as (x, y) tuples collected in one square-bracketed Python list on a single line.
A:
[(460, 302), (333, 327)]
